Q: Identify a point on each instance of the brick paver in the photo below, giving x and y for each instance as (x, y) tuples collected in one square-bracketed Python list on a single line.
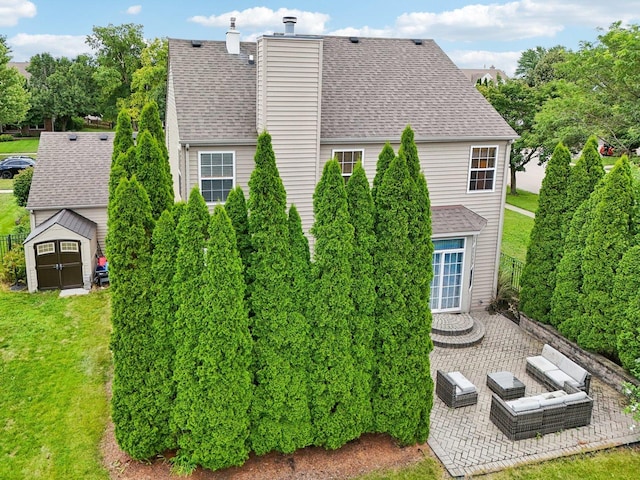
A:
[(468, 443)]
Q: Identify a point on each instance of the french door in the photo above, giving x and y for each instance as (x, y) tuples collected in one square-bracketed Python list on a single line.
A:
[(448, 268)]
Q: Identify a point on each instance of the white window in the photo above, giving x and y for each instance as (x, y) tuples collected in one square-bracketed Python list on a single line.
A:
[(69, 247), (347, 160), (46, 248), (482, 168), (217, 175)]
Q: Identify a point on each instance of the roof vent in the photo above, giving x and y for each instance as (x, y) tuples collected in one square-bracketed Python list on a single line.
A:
[(417, 41), (196, 43), (354, 39), (73, 137), (289, 25), (104, 137), (251, 60)]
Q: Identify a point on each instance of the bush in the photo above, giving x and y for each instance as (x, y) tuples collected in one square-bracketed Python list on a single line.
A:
[(13, 267), (75, 124), (6, 138), (22, 186)]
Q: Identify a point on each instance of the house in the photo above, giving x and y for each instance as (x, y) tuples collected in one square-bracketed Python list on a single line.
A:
[(327, 96), (481, 75), (68, 209)]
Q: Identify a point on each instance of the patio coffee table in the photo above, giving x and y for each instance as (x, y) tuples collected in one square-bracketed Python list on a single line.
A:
[(506, 385)]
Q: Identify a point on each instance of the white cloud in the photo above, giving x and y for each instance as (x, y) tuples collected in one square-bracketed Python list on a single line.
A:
[(24, 46), (265, 19), (364, 32), (505, 61), (11, 11), (134, 9)]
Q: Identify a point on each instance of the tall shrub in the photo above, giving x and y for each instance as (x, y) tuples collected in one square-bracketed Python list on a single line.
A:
[(300, 263), (626, 309), (546, 241), (22, 186), (123, 139), (152, 175), (218, 427), (361, 214), (280, 413), (385, 158), (150, 121), (236, 207), (608, 238), (333, 411), (129, 252), (189, 286)]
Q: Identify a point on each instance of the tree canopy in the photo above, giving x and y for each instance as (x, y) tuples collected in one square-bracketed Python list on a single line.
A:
[(14, 99)]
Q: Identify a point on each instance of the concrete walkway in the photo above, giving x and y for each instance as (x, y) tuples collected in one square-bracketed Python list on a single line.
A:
[(6, 191), (520, 210), (468, 443)]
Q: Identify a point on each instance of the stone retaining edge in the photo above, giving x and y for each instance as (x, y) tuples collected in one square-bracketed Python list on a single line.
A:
[(607, 371)]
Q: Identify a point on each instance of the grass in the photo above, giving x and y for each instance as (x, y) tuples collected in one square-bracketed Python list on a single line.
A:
[(524, 199), (515, 234), (9, 213), (53, 402), (428, 469), (6, 184), (24, 145)]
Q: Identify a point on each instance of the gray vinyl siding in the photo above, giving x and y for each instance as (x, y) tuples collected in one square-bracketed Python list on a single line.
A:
[(289, 105), (172, 137), (97, 214)]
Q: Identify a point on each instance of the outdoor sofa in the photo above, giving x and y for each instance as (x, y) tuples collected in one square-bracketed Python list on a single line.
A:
[(548, 412), (455, 390), (554, 369)]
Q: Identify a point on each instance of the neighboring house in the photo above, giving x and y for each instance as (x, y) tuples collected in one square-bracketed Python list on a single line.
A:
[(68, 209), (482, 75), (323, 97)]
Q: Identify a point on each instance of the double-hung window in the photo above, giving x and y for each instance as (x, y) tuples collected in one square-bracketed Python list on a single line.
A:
[(217, 175), (482, 168), (347, 160)]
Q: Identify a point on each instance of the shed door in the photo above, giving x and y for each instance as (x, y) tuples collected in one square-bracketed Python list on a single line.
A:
[(58, 264)]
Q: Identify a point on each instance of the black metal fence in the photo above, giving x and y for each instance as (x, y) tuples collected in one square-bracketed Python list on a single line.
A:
[(7, 242), (511, 268)]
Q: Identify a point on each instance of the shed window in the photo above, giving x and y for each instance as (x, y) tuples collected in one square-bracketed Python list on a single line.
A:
[(46, 248), (69, 247)]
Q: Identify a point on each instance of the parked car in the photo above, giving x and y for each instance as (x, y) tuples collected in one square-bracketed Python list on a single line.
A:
[(11, 166)]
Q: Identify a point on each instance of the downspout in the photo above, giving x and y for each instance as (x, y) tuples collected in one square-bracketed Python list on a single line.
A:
[(507, 160)]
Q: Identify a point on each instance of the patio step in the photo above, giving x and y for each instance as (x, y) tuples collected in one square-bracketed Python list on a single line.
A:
[(456, 330)]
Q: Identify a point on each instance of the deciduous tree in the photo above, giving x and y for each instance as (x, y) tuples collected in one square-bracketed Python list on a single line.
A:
[(14, 100)]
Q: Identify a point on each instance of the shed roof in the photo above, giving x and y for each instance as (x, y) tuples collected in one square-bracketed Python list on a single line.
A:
[(455, 220), (370, 90), (71, 173), (68, 219)]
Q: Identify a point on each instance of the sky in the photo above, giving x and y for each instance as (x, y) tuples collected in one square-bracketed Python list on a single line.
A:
[(475, 34)]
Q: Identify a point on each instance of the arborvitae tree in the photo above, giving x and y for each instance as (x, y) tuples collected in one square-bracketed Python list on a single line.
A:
[(116, 173), (280, 413), (150, 121), (189, 286), (608, 238), (565, 302), (129, 253), (123, 139), (163, 310), (546, 241), (218, 427), (418, 288), (333, 412), (300, 262), (396, 406), (363, 293), (385, 158), (236, 208), (152, 175), (584, 176), (626, 309)]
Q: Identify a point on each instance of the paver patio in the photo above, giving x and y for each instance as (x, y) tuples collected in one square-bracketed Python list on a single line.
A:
[(468, 443)]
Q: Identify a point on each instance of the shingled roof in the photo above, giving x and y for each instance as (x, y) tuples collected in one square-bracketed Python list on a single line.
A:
[(71, 173), (68, 219), (370, 90)]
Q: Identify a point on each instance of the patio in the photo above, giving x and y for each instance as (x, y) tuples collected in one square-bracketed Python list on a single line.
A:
[(468, 443)]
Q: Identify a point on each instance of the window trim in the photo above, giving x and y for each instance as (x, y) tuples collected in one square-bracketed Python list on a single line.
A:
[(495, 169), (43, 248), (335, 151), (200, 177)]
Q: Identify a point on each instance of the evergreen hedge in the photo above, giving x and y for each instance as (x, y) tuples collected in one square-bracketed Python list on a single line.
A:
[(546, 241), (280, 414), (236, 207), (151, 172), (626, 309), (385, 158), (300, 263), (123, 138)]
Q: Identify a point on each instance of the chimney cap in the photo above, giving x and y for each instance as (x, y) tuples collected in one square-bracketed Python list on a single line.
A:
[(289, 19), (233, 23)]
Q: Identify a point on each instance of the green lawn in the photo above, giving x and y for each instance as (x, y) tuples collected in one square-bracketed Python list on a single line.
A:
[(524, 199), (9, 213), (53, 402), (6, 184), (24, 145), (515, 234)]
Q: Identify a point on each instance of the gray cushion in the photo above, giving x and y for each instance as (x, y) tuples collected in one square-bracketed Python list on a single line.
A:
[(551, 354), (541, 364), (572, 369), (547, 402), (524, 404), (574, 397), (555, 394), (461, 381), (558, 377)]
